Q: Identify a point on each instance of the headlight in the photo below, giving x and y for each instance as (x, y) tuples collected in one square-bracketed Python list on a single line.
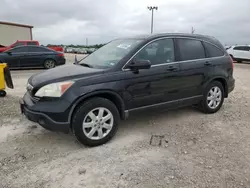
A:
[(54, 90)]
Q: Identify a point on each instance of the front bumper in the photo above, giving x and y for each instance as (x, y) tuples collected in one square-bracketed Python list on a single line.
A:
[(44, 118)]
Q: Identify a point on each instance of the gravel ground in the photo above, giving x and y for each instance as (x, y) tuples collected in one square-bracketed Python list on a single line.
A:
[(180, 148)]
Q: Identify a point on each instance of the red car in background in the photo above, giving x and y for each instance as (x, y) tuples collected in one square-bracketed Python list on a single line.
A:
[(29, 42)]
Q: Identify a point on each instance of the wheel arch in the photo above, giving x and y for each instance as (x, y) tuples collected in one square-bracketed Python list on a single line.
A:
[(49, 58), (107, 94), (223, 81)]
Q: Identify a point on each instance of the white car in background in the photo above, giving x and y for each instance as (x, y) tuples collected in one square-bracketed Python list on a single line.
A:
[(239, 53)]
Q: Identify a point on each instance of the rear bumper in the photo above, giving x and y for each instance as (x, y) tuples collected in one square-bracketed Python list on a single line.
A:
[(231, 85), (44, 119), (61, 61)]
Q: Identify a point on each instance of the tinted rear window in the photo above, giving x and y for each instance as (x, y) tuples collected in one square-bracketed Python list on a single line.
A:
[(191, 49), (213, 51), (31, 43)]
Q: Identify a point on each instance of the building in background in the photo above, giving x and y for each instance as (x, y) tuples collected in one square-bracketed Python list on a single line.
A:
[(11, 32)]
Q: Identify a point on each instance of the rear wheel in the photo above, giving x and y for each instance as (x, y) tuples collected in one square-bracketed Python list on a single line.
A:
[(95, 122), (2, 93), (213, 97), (49, 64)]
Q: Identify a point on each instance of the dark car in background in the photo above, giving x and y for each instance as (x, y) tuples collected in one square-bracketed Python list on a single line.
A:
[(31, 57), (129, 75)]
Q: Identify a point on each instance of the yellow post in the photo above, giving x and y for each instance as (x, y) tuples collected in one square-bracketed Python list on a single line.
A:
[(2, 80)]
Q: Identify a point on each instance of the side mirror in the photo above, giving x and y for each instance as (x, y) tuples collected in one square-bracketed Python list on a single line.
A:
[(139, 64)]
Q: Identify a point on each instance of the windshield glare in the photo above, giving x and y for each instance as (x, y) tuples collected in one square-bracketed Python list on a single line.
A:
[(110, 54)]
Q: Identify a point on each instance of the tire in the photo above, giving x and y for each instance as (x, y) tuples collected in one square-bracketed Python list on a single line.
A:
[(2, 93), (49, 64), (205, 105), (93, 123)]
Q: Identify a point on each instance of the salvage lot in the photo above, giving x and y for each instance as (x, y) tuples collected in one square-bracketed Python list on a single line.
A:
[(188, 148)]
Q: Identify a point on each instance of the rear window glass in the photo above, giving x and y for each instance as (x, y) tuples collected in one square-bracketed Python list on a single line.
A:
[(213, 51), (191, 49), (31, 43)]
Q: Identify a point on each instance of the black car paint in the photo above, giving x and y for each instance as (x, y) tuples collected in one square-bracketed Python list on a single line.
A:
[(175, 84), (27, 58)]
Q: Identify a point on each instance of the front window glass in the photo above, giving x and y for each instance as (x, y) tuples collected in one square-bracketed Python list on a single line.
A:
[(158, 52), (110, 54), (18, 49)]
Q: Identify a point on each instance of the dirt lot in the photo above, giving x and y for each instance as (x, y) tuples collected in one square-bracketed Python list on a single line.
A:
[(193, 150)]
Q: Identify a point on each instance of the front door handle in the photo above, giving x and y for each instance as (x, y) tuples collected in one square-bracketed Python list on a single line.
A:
[(172, 68), (207, 63)]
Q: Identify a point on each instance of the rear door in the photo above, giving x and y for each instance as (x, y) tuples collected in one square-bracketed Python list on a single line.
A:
[(35, 56), (194, 69)]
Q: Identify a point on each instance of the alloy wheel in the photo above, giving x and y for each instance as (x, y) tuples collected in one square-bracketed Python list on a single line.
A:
[(214, 97), (98, 123), (49, 64)]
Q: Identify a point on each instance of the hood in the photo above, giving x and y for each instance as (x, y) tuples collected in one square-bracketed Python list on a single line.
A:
[(62, 73)]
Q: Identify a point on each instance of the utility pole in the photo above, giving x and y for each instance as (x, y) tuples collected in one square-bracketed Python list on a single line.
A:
[(192, 30), (152, 8), (86, 41)]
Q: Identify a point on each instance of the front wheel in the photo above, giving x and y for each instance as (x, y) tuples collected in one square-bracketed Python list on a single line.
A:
[(213, 98), (49, 64), (95, 122)]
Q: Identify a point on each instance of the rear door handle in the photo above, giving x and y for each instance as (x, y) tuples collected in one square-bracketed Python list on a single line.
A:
[(207, 63), (172, 68)]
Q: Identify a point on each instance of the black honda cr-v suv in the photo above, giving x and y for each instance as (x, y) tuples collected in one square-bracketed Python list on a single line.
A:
[(127, 75)]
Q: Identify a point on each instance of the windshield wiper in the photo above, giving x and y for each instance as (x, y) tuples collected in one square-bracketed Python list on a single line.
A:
[(86, 65)]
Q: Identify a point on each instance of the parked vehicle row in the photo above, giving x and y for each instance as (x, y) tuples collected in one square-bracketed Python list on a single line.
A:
[(128, 75), (80, 50), (28, 43), (240, 52), (31, 57)]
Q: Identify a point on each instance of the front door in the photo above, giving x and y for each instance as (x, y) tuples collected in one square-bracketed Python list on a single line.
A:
[(157, 85), (15, 56)]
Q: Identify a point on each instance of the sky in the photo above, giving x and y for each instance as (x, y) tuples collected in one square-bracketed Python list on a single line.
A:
[(72, 21)]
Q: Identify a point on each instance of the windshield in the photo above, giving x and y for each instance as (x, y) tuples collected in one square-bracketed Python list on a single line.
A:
[(110, 54)]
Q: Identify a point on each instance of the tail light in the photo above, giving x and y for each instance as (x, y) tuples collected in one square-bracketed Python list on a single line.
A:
[(60, 55)]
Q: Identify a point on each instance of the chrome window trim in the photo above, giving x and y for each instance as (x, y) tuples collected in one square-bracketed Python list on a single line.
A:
[(174, 37)]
